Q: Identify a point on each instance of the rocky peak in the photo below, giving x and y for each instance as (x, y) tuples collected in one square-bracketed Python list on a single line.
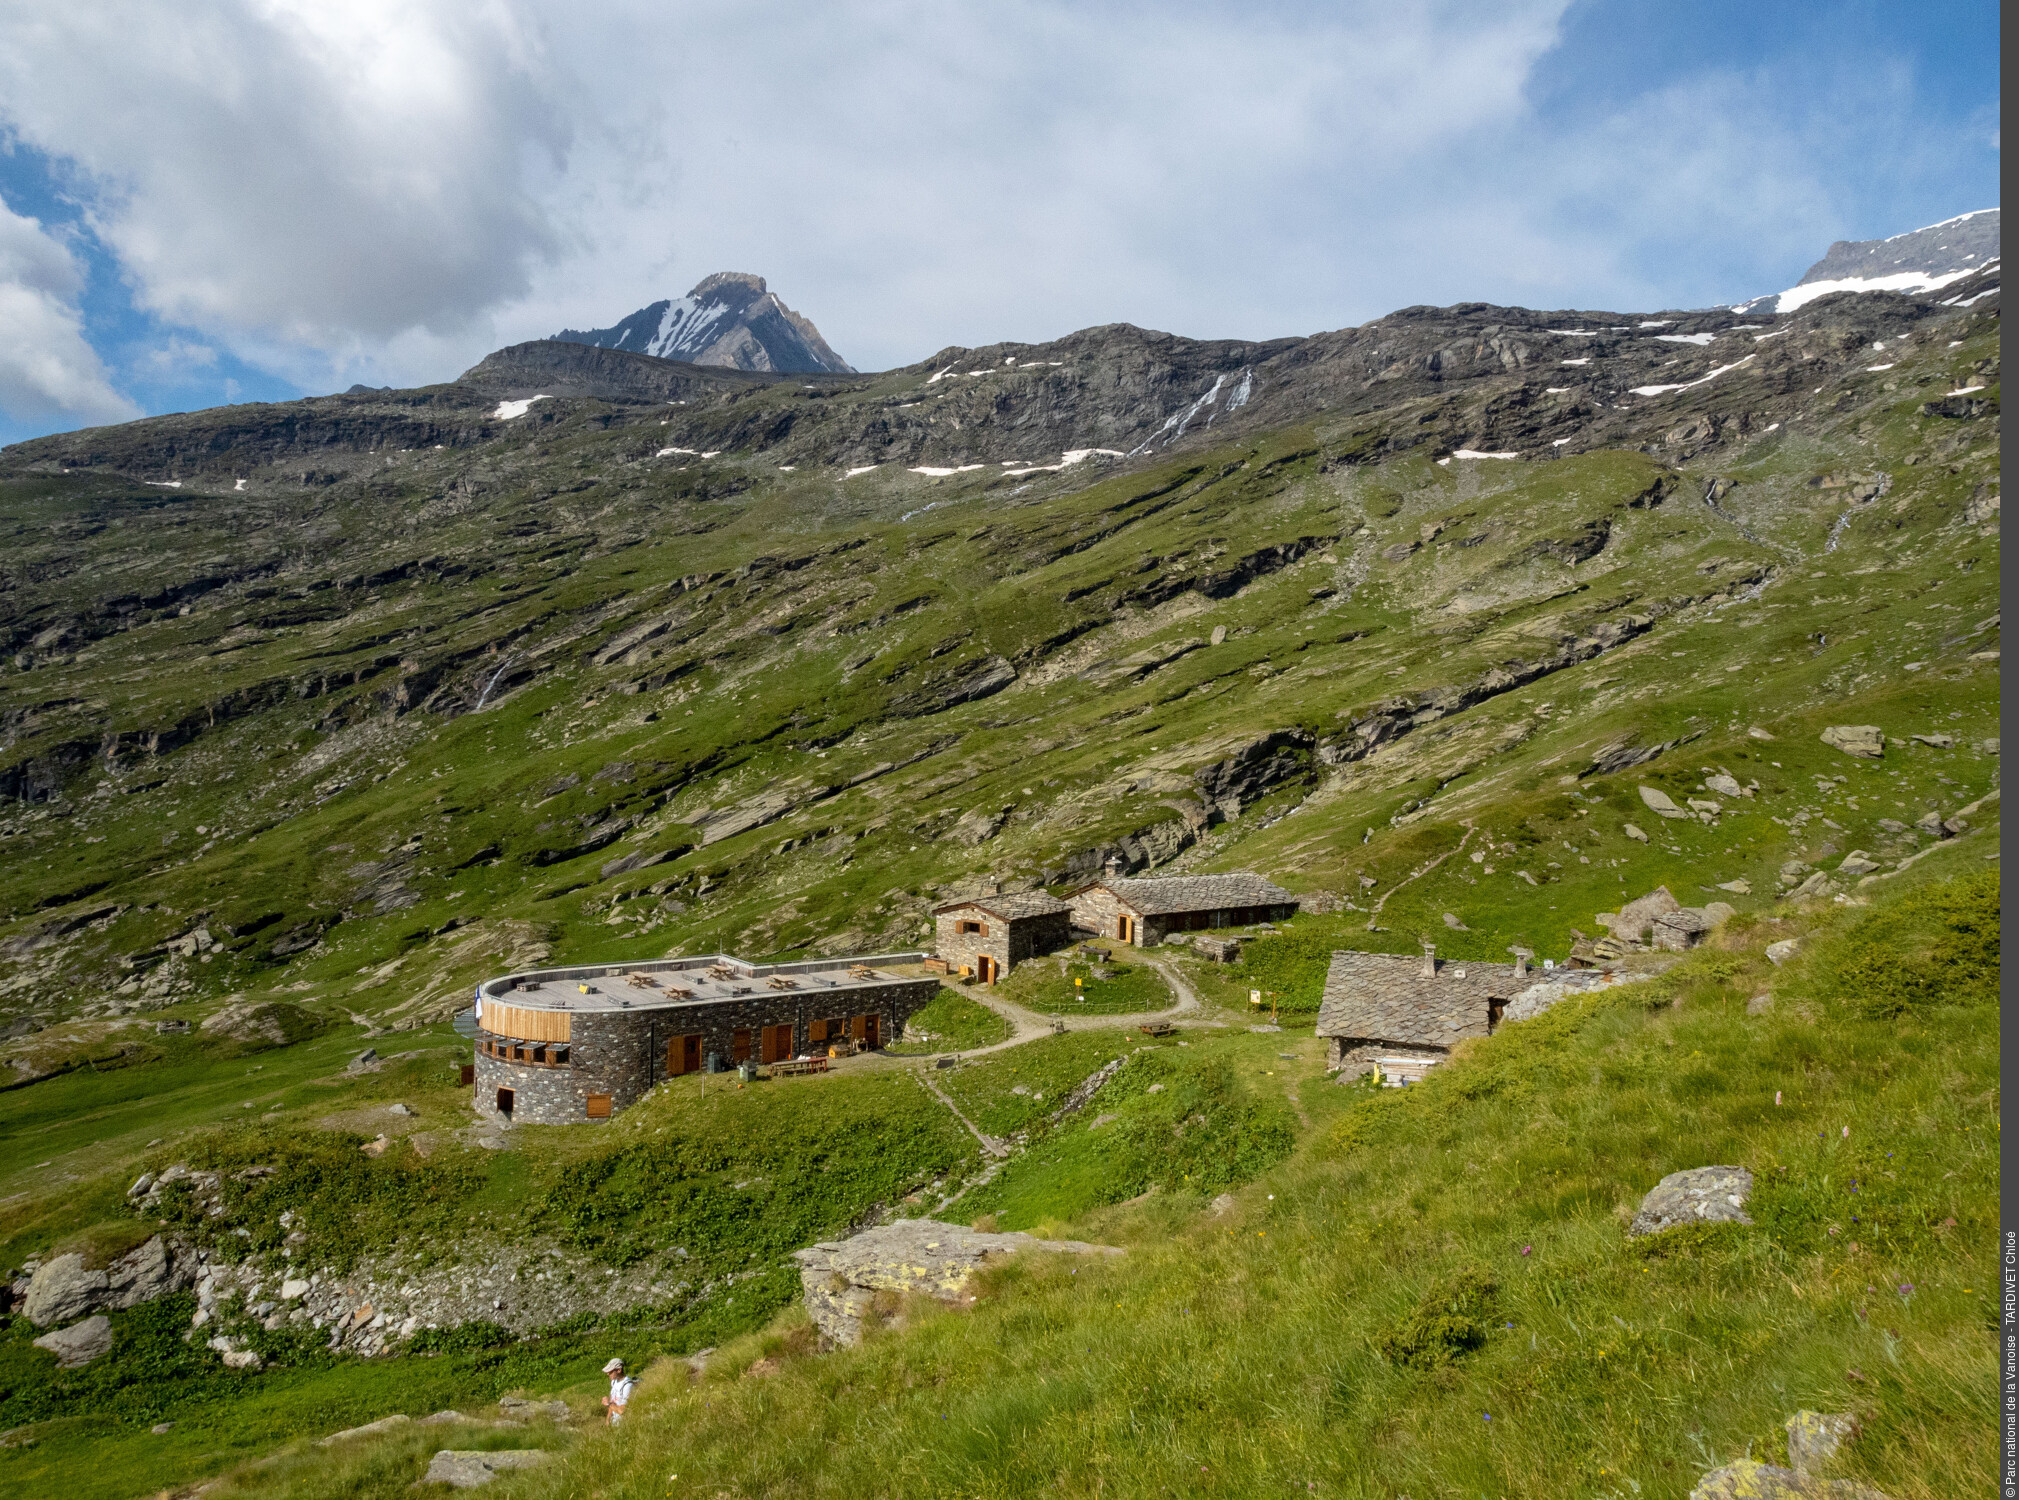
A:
[(730, 319)]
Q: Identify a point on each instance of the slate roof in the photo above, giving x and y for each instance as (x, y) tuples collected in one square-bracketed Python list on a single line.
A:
[(1011, 906), (1176, 893), (1384, 997)]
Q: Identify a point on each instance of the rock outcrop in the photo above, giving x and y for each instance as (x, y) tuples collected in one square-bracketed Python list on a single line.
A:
[(842, 1278), (466, 1468), (1702, 1195), (1748, 1480), (80, 1343), (65, 1287)]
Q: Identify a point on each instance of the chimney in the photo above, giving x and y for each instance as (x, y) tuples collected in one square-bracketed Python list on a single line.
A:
[(1429, 960), (1116, 865), (1521, 958)]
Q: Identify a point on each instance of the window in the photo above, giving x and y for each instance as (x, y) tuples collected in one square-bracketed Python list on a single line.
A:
[(598, 1106), (979, 929)]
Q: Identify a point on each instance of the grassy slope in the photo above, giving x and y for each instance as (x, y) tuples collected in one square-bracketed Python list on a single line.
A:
[(1239, 1355)]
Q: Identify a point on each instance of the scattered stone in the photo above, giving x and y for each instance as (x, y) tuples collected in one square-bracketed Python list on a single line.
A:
[(1100, 1120), (521, 1409), (1748, 1480), (1779, 953), (1938, 742), (1892, 825), (292, 1288), (242, 1359), (1721, 912), (402, 1109), (80, 1343), (1930, 822), (1451, 921), (466, 1469), (1660, 804), (365, 1062), (1724, 785), (841, 1278), (160, 1427), (760, 1368), (443, 1418), (1760, 734), (1813, 886), (1702, 1195), (1739, 887), (1635, 834), (1858, 862), (1989, 747), (1815, 1436), (370, 1429), (1221, 950), (1759, 1005), (376, 1146), (1864, 740)]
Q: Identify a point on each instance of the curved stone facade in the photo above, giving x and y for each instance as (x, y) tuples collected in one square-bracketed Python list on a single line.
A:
[(558, 1046)]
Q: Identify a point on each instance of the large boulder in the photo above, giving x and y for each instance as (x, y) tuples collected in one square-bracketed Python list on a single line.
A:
[(1747, 1480), (80, 1343), (842, 1278), (1660, 803), (467, 1468), (1685, 927), (1702, 1195), (1631, 922), (65, 1287), (1864, 740)]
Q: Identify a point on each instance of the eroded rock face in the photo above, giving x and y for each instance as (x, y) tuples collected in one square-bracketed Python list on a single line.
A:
[(842, 1278), (1702, 1195), (64, 1287), (80, 1343)]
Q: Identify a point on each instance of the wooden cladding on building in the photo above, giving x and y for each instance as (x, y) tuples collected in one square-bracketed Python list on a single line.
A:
[(524, 1023)]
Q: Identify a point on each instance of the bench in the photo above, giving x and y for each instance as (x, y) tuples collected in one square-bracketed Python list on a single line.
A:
[(1156, 1028), (799, 1065)]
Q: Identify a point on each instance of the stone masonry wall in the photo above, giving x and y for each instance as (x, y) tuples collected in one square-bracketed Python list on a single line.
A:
[(1097, 911), (1008, 943), (623, 1053)]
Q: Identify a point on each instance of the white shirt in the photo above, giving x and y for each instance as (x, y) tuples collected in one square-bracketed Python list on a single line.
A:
[(621, 1387)]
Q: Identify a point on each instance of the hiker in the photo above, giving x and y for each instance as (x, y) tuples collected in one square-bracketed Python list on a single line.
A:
[(621, 1386)]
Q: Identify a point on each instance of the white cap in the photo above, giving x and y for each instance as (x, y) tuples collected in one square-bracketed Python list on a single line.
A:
[(615, 1364)]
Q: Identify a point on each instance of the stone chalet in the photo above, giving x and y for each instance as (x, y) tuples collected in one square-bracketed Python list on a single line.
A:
[(990, 935), (1405, 1014), (1145, 912), (559, 1045)]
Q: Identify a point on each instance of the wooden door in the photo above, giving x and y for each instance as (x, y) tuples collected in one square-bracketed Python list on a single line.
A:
[(1124, 929), (683, 1055), (777, 1043), (859, 1027), (870, 1031), (739, 1046)]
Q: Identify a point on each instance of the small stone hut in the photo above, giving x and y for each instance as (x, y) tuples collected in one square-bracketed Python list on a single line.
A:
[(1404, 1015), (560, 1045), (988, 936), (1145, 912)]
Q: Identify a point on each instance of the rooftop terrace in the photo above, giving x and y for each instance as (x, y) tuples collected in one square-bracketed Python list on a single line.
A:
[(664, 982)]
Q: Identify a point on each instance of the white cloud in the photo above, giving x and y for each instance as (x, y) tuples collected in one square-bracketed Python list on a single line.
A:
[(47, 369), (293, 173), (383, 190)]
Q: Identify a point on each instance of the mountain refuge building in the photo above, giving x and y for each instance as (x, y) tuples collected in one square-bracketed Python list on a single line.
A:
[(988, 936), (1143, 912), (555, 1046), (1404, 1015)]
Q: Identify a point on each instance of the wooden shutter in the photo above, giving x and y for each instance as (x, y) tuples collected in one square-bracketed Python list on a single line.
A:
[(598, 1106), (739, 1046), (816, 1031)]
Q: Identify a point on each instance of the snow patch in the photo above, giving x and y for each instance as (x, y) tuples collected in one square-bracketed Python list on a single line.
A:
[(938, 473), (1657, 322), (1475, 453), (510, 409), (863, 470), (241, 484), (1875, 368), (1556, 390), (1761, 338), (1573, 361), (1081, 455), (1662, 390), (164, 484), (695, 452), (1900, 281), (1699, 339), (1961, 390), (1573, 333)]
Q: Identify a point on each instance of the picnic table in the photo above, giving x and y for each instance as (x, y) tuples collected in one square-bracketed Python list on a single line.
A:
[(1156, 1028), (798, 1065)]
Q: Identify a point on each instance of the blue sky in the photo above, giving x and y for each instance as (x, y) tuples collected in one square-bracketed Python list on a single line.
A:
[(229, 201)]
